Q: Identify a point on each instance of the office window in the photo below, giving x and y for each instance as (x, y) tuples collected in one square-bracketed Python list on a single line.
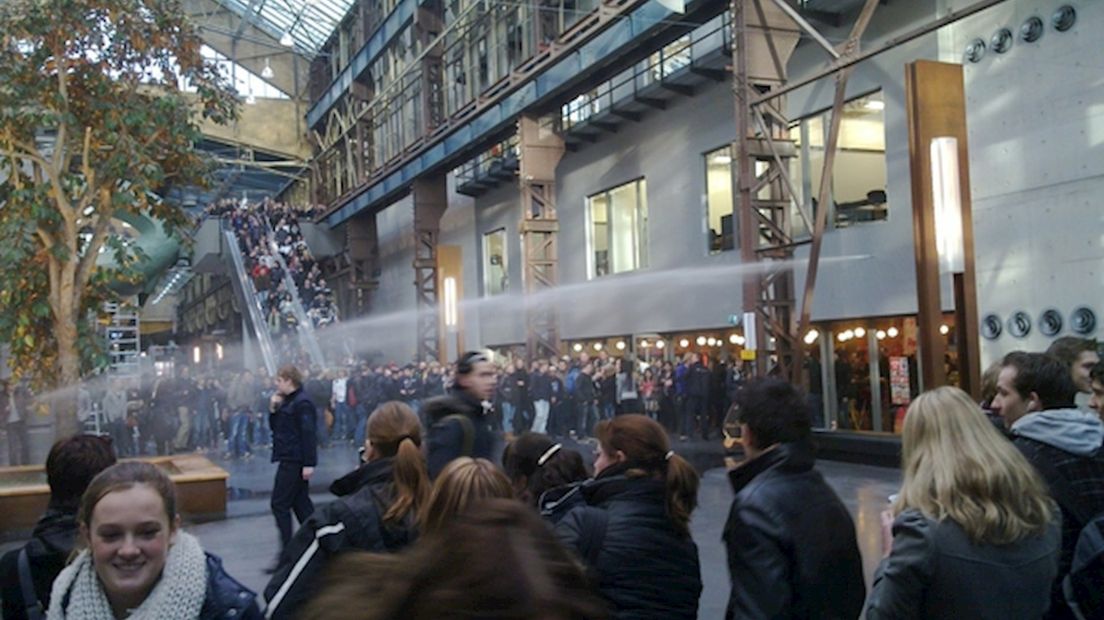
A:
[(617, 229), (719, 200), (858, 185), (496, 274)]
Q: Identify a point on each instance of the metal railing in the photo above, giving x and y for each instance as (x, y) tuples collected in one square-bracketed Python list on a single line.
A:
[(260, 327)]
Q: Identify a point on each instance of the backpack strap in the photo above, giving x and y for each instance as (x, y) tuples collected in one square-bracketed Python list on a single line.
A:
[(468, 428), (31, 603)]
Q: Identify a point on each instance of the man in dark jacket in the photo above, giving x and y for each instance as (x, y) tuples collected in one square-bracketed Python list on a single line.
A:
[(71, 465), (459, 425), (697, 396), (1035, 394), (293, 420), (791, 542)]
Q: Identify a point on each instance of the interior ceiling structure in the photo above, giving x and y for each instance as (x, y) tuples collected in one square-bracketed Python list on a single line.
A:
[(309, 22)]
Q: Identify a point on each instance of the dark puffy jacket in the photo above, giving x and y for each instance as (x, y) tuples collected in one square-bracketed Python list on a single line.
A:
[(293, 430), (645, 568), (540, 386), (47, 552), (447, 439), (352, 523), (226, 598), (791, 542)]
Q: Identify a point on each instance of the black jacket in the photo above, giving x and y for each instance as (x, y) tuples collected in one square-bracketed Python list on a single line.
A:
[(352, 523), (645, 568), (697, 381), (226, 598), (446, 439), (47, 552), (791, 542), (293, 430)]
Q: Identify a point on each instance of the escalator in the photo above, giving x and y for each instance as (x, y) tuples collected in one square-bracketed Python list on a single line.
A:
[(243, 287)]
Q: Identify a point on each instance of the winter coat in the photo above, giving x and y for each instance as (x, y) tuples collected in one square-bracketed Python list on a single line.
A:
[(935, 571), (47, 553), (446, 439), (1065, 446), (354, 522), (227, 599), (540, 386), (584, 388), (644, 567), (790, 540), (293, 427), (697, 381)]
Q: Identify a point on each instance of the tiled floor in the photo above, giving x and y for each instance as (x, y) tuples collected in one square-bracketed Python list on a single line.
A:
[(247, 539)]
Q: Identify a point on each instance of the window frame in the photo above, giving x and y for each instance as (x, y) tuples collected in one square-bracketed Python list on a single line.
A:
[(640, 232)]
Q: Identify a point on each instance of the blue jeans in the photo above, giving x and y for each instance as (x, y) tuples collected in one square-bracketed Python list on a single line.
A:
[(588, 417), (361, 425), (201, 428), (508, 417), (262, 434), (343, 419), (238, 443)]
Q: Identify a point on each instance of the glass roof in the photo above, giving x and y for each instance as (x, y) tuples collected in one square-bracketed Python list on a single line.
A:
[(310, 22)]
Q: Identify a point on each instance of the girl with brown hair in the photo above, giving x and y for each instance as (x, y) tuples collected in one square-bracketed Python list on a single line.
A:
[(138, 563), (376, 511), (631, 523), (497, 559), (463, 482), (536, 464)]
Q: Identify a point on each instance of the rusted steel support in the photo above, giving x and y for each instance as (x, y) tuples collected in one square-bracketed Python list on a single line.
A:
[(540, 150), (430, 200)]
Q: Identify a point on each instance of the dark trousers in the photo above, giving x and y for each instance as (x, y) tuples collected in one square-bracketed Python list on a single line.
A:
[(290, 492)]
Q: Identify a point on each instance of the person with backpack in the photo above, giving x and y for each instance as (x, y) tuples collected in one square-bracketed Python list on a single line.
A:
[(1035, 397), (973, 532), (458, 422), (375, 511), (27, 573)]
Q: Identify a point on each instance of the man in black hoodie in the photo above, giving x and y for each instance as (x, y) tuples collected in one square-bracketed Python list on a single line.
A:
[(791, 543), (71, 465), (458, 422)]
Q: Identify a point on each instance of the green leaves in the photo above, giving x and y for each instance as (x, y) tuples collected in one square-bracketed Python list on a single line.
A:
[(92, 125)]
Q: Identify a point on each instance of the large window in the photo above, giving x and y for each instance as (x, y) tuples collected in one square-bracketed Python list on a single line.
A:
[(617, 229), (496, 274), (858, 184), (719, 201)]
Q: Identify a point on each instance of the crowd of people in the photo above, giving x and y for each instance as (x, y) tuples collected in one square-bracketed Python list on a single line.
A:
[(991, 521), (270, 239)]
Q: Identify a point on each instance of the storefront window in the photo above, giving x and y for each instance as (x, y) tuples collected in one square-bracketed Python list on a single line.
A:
[(617, 229), (496, 274), (858, 185)]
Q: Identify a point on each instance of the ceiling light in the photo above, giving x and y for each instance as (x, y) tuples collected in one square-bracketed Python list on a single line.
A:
[(597, 346), (701, 341), (860, 332), (684, 343), (267, 73), (722, 160), (660, 344), (740, 340), (880, 334), (892, 332), (578, 347), (711, 341), (734, 339), (620, 345), (286, 40), (875, 104), (644, 344), (943, 329), (250, 99)]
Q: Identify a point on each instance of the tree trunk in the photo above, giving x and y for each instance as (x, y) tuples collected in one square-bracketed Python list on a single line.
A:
[(64, 403)]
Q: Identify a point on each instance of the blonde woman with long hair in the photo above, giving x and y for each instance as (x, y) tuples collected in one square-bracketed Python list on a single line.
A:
[(973, 532)]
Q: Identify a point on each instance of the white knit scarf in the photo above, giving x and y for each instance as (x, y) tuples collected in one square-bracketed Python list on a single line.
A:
[(78, 595)]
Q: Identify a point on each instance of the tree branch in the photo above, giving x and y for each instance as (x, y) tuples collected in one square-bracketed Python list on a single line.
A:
[(92, 251)]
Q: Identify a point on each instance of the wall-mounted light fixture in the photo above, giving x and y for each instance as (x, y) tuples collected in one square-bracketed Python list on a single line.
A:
[(450, 303), (947, 199)]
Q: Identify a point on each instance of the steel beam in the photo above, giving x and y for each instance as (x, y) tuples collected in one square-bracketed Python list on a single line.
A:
[(540, 150), (430, 196)]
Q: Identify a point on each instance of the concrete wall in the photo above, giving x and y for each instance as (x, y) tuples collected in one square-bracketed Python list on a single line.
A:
[(1036, 168)]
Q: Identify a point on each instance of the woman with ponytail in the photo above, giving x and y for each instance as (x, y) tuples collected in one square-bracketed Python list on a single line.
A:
[(631, 524), (536, 463), (376, 511)]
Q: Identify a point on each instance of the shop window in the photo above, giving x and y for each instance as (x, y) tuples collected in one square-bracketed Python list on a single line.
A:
[(617, 229), (496, 273), (858, 186)]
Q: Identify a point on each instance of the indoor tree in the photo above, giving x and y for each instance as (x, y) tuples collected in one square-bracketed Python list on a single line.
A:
[(100, 105)]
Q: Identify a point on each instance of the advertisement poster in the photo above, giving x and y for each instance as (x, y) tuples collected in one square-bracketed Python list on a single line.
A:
[(899, 380)]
